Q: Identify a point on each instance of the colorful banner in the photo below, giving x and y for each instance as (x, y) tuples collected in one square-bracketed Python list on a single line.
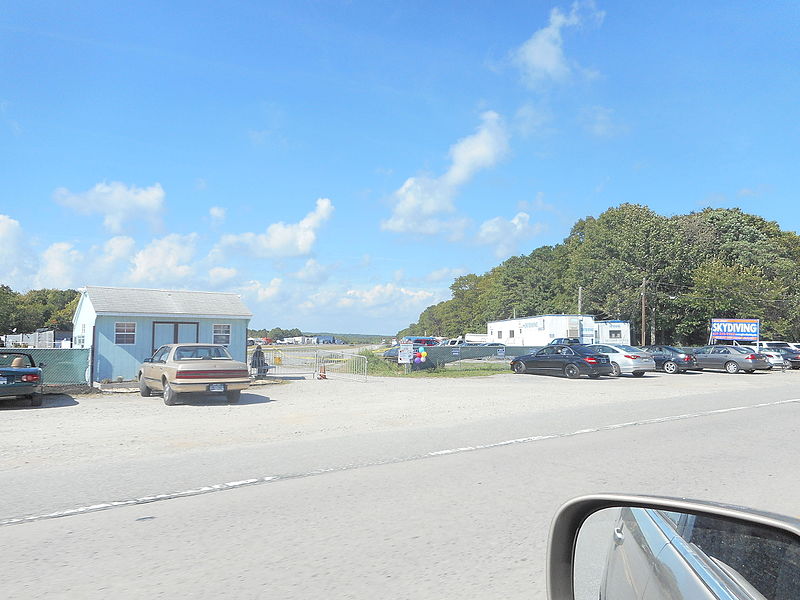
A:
[(736, 329)]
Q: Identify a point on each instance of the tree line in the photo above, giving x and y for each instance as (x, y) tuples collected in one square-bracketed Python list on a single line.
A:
[(276, 333), (717, 263), (36, 309)]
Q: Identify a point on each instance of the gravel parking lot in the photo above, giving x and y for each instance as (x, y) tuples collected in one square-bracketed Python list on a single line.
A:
[(116, 426)]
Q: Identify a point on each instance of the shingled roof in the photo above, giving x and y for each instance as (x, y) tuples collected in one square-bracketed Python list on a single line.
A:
[(136, 301)]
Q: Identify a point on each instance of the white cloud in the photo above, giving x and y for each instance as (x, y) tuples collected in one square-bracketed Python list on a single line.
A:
[(59, 267), (312, 271), (281, 239), (505, 235), (217, 214), (120, 205), (15, 257), (221, 274), (164, 261), (116, 249), (384, 295), (538, 203), (541, 58), (420, 200), (600, 122), (445, 274), (262, 291), (530, 119)]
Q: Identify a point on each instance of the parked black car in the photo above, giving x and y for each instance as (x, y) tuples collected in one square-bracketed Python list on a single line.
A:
[(564, 341), (570, 361), (790, 356), (671, 359)]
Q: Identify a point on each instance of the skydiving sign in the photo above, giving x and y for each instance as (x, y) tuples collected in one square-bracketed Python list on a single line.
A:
[(736, 329)]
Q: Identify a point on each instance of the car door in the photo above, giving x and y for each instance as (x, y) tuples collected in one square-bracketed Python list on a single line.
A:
[(704, 358), (718, 357), (658, 353), (153, 370), (540, 362)]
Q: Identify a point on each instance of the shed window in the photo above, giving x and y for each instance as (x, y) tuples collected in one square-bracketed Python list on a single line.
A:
[(222, 334), (125, 333), (511, 333), (499, 335), (615, 334)]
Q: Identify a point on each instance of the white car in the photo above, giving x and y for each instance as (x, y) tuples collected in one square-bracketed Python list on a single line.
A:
[(626, 359), (774, 357)]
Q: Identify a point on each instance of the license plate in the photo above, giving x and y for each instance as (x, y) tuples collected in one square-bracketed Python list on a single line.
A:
[(216, 387)]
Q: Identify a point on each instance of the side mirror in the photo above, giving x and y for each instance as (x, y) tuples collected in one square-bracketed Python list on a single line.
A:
[(613, 547), (148, 360)]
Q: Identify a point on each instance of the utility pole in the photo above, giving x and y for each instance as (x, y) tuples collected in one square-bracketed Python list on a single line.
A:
[(644, 312), (580, 300)]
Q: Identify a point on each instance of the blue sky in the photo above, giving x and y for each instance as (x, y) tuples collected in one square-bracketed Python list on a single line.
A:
[(339, 163)]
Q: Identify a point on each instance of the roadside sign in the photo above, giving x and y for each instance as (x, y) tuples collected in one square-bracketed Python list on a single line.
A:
[(736, 329), (405, 354), (501, 352), (456, 351)]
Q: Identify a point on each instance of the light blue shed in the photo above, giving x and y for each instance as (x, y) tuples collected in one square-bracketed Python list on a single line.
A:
[(123, 326)]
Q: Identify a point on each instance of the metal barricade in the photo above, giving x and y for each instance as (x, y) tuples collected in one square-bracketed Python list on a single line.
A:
[(332, 364), (323, 364)]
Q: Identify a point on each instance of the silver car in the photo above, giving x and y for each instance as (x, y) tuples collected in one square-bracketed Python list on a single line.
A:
[(626, 359), (674, 555), (731, 359), (774, 357)]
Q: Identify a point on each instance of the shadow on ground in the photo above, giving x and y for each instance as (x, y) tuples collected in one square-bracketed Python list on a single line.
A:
[(48, 401), (220, 400)]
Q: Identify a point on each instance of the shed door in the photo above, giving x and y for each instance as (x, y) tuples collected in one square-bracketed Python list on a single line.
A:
[(173, 333)]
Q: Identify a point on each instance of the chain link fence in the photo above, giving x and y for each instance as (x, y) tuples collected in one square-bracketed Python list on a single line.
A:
[(60, 366)]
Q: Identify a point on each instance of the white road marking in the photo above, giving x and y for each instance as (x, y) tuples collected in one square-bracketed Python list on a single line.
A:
[(219, 487)]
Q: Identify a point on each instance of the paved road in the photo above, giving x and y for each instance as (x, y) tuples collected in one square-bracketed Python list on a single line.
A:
[(428, 511)]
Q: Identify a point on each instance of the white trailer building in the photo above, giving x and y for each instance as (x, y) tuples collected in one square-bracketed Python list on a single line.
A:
[(540, 330)]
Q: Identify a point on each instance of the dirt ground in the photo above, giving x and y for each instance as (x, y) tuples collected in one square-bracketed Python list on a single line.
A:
[(117, 425)]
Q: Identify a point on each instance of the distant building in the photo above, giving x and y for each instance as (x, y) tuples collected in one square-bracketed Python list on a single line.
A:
[(540, 330), (126, 325)]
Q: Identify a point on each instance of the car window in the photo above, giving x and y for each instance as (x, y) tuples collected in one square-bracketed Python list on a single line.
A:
[(602, 349), (201, 353), (567, 351), (628, 348), (720, 351), (161, 354), (546, 351), (8, 360)]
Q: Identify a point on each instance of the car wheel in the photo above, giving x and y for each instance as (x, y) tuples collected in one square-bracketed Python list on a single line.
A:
[(36, 399), (170, 395), (731, 367), (572, 371), (638, 373), (233, 396), (670, 367), (615, 370), (143, 389), (519, 368)]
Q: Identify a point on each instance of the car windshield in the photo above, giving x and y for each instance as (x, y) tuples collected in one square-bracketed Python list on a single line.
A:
[(201, 353), (741, 350), (15, 359)]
